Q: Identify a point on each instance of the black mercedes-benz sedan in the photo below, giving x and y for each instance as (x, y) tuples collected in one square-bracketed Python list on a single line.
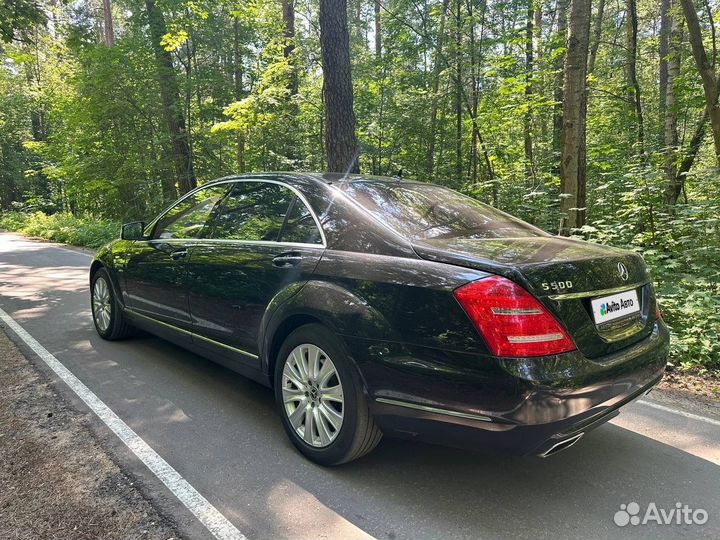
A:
[(377, 305)]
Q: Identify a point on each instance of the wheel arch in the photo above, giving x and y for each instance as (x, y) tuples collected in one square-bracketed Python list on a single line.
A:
[(98, 264), (94, 267), (286, 327), (336, 308)]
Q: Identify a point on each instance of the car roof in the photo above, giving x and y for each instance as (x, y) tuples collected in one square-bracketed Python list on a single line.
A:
[(324, 178)]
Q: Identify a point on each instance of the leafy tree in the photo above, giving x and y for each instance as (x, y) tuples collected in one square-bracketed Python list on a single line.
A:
[(17, 17)]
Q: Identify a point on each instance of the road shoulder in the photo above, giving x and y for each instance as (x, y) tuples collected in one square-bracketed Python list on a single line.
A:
[(56, 480)]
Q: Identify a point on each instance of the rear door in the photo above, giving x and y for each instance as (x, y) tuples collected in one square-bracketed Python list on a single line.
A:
[(155, 270), (262, 239)]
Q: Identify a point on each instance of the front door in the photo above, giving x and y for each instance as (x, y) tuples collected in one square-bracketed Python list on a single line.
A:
[(156, 269)]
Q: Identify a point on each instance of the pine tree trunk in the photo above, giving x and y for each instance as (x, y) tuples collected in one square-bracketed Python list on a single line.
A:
[(378, 34), (172, 106), (537, 29), (437, 69), (664, 48), (109, 33), (458, 94), (672, 62), (238, 93), (597, 34), (288, 9), (559, 67), (527, 120), (473, 96), (573, 162), (340, 140), (707, 73), (631, 29)]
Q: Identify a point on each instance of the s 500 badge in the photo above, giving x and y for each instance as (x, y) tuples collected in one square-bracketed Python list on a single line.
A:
[(556, 285)]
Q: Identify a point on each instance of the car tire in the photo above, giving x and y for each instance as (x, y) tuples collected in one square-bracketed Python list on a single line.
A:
[(299, 395), (108, 318)]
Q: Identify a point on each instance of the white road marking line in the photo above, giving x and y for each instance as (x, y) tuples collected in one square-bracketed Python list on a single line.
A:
[(206, 513), (681, 413)]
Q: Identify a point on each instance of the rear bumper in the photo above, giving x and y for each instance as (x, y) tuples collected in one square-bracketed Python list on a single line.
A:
[(524, 406)]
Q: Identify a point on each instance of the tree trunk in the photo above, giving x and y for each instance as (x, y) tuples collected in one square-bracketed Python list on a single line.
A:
[(537, 29), (458, 94), (172, 105), (631, 29), (597, 34), (109, 33), (378, 35), (37, 116), (238, 92), (672, 65), (664, 48), (288, 9), (437, 68), (473, 94), (340, 141), (707, 73), (673, 192), (572, 163), (527, 120), (559, 68)]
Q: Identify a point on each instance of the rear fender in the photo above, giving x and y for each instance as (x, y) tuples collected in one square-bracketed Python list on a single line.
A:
[(340, 310)]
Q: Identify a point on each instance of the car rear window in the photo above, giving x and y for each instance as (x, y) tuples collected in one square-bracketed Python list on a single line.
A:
[(426, 211)]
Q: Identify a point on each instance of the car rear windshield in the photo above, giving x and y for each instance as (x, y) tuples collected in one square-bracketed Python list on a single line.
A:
[(426, 211)]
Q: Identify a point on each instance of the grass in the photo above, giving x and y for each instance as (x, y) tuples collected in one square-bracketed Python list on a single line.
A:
[(64, 228)]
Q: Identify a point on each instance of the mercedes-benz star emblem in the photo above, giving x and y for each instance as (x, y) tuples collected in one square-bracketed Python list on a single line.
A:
[(623, 272)]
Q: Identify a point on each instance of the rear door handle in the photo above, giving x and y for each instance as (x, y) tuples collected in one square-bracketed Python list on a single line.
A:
[(178, 254), (287, 259)]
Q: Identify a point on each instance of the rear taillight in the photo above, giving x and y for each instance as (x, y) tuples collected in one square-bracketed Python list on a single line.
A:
[(511, 320), (658, 314)]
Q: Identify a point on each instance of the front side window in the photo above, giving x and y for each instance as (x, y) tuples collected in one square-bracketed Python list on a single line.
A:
[(187, 218)]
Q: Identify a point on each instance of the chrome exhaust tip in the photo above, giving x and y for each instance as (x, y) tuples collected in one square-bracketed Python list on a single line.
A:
[(561, 445)]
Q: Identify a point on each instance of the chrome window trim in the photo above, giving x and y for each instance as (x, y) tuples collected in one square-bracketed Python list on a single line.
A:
[(600, 292), (192, 334), (260, 242), (427, 408), (151, 226), (192, 242)]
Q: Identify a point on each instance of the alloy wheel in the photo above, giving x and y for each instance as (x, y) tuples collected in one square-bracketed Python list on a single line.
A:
[(312, 395), (101, 304)]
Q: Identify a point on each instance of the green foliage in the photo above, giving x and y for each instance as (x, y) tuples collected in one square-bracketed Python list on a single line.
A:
[(18, 16), (683, 250), (64, 228)]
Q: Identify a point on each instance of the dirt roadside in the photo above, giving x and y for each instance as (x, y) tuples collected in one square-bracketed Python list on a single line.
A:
[(56, 482)]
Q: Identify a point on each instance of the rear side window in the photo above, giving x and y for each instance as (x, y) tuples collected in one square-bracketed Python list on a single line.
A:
[(300, 225), (426, 211), (187, 218), (252, 211)]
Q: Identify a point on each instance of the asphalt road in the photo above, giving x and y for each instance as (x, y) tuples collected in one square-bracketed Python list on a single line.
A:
[(221, 433)]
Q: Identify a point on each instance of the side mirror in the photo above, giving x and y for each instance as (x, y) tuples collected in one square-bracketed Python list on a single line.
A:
[(133, 231)]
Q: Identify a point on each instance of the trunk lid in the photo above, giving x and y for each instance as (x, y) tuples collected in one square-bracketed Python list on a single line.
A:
[(565, 275)]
